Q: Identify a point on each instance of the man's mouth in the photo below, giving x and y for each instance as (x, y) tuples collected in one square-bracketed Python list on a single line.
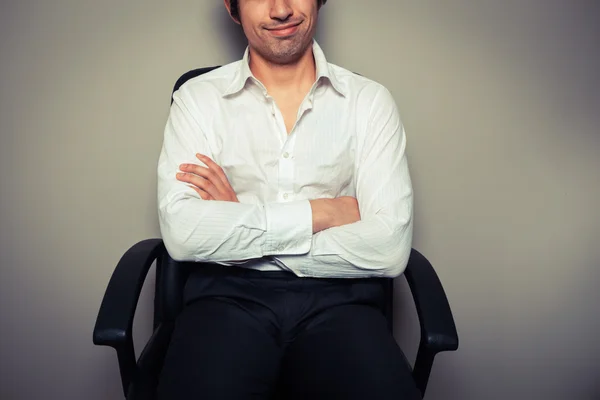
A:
[(285, 30)]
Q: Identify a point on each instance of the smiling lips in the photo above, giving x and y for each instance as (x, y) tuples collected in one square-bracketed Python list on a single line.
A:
[(285, 30)]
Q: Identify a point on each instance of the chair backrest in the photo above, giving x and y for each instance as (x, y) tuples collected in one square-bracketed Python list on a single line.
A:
[(172, 275), (189, 75), (168, 294)]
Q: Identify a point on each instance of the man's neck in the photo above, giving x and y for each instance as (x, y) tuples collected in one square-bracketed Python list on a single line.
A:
[(277, 78)]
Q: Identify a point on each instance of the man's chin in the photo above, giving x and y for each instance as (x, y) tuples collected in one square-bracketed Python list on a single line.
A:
[(286, 53), (285, 58)]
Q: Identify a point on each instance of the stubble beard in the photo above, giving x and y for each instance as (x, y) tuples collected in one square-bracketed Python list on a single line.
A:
[(284, 51)]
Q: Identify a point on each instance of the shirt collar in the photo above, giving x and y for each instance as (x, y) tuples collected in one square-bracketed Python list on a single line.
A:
[(323, 71)]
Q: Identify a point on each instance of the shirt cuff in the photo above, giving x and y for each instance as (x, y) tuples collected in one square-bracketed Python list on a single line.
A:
[(289, 228)]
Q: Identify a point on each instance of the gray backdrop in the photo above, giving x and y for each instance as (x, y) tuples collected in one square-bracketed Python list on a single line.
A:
[(501, 104)]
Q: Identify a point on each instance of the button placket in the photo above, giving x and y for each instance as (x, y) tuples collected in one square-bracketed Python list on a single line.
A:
[(286, 170)]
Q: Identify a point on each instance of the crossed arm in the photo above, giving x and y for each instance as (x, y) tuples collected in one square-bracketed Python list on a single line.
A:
[(211, 183), (367, 236)]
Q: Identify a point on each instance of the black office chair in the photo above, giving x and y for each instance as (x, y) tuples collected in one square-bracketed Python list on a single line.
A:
[(139, 377)]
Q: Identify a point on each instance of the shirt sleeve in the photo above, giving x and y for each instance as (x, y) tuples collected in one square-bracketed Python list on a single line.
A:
[(194, 229), (379, 244)]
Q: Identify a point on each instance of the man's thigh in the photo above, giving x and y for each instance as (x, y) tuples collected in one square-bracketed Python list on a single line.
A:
[(220, 349), (347, 352)]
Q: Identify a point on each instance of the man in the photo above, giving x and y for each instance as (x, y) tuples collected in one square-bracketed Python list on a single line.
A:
[(289, 175)]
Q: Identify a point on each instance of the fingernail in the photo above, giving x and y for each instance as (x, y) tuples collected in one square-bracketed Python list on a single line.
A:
[(179, 175), (199, 155)]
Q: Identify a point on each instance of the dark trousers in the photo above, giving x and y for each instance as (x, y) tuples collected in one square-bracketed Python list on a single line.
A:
[(246, 334)]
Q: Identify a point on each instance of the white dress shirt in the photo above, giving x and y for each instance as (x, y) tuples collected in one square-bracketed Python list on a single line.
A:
[(348, 140)]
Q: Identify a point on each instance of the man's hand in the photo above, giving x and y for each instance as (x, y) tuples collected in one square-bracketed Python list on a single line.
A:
[(210, 183), (328, 213)]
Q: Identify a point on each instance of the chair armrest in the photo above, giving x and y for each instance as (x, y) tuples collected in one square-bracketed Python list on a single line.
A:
[(438, 331), (114, 323)]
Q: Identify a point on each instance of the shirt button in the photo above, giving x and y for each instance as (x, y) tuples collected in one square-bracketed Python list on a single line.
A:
[(285, 196), (286, 155)]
